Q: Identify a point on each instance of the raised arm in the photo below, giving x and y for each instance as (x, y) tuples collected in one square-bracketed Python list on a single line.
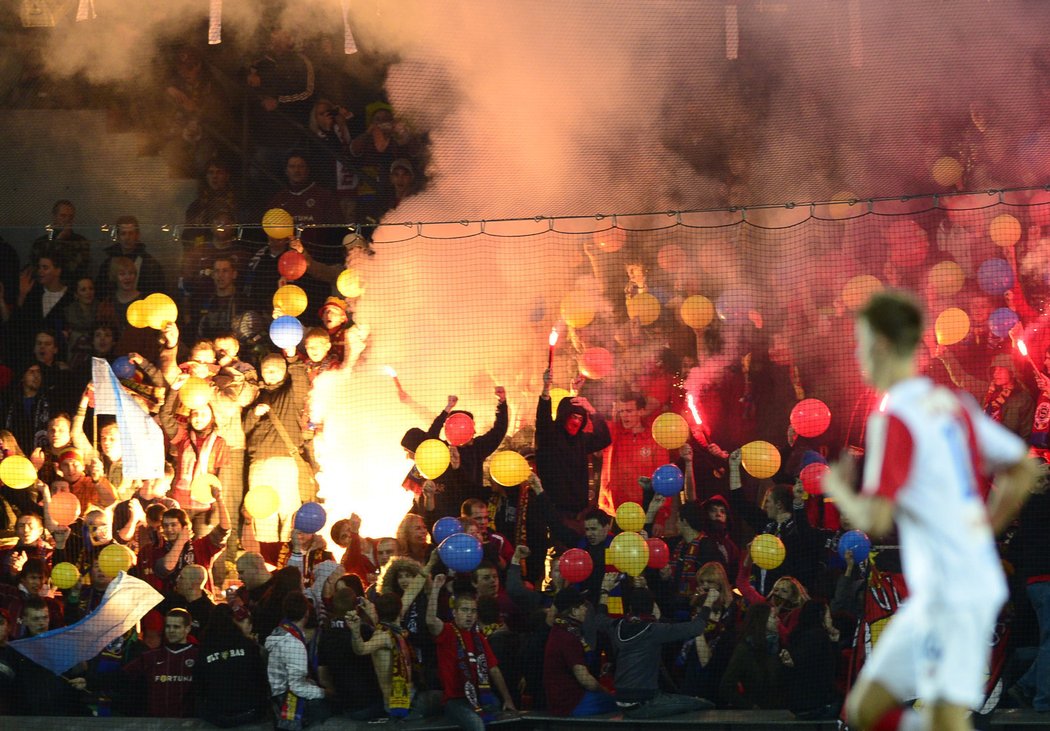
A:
[(435, 625)]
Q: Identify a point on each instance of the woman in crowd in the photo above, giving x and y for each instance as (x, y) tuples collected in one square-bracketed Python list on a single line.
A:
[(123, 278), (81, 317), (703, 659), (752, 679), (414, 538)]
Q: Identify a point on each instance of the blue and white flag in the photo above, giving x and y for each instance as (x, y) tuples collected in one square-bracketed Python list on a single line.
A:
[(126, 601), (141, 440)]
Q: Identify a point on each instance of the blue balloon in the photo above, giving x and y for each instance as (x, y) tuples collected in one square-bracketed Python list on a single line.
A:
[(123, 368), (460, 552), (995, 276), (445, 527), (286, 332), (1001, 321), (668, 480), (856, 541), (310, 518)]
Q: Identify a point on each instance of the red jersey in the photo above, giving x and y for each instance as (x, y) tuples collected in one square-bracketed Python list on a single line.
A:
[(630, 456), (450, 655), (169, 680)]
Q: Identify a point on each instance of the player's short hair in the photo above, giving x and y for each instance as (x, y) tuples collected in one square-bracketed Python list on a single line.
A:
[(469, 504), (693, 514), (178, 514), (466, 596), (895, 316), (295, 606), (388, 607), (181, 614), (598, 514)]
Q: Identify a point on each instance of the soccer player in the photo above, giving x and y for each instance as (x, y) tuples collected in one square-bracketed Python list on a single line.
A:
[(929, 455)]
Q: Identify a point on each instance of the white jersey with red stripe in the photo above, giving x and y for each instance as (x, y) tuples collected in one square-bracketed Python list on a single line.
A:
[(931, 452)]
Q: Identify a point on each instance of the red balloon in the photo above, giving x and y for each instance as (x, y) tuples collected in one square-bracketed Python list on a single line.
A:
[(811, 476), (575, 565), (64, 508), (459, 428), (810, 417), (291, 265), (596, 363), (659, 556)]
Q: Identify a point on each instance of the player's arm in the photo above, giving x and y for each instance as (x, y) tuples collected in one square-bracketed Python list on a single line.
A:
[(872, 514), (1011, 489)]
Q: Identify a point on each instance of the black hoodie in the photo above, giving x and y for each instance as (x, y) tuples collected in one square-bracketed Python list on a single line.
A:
[(561, 458)]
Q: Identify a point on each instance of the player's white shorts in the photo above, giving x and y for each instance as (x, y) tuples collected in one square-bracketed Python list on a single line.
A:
[(936, 652)]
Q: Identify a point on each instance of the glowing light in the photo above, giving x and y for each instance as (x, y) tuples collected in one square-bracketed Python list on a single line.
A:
[(389, 370), (693, 410), (1023, 348), (553, 339)]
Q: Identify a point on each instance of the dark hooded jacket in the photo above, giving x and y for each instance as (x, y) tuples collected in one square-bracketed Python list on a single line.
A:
[(639, 644), (561, 458)]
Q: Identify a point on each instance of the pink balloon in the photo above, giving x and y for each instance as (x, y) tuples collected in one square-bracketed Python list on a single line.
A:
[(575, 565), (65, 508), (810, 417), (659, 555), (811, 476), (291, 265), (459, 428)]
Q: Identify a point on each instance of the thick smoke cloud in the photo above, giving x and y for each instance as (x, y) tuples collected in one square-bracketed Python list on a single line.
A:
[(587, 107)]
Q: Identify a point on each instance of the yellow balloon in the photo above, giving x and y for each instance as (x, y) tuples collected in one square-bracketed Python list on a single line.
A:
[(261, 501), (349, 283), (115, 558), (760, 459), (767, 551), (200, 488), (64, 575), (290, 300), (159, 310), (643, 307), (947, 171), (278, 223), (630, 517), (195, 393), (670, 431), (17, 472), (946, 278), (629, 553), (509, 468), (952, 326), (577, 309), (859, 290), (432, 458), (697, 311), (1005, 230), (557, 394), (138, 316)]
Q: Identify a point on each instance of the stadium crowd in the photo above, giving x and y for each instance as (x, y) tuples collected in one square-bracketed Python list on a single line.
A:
[(270, 612)]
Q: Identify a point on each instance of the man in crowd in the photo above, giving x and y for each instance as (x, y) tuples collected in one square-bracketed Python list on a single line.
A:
[(296, 696), (181, 549), (72, 249), (129, 243), (466, 664), (168, 670)]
